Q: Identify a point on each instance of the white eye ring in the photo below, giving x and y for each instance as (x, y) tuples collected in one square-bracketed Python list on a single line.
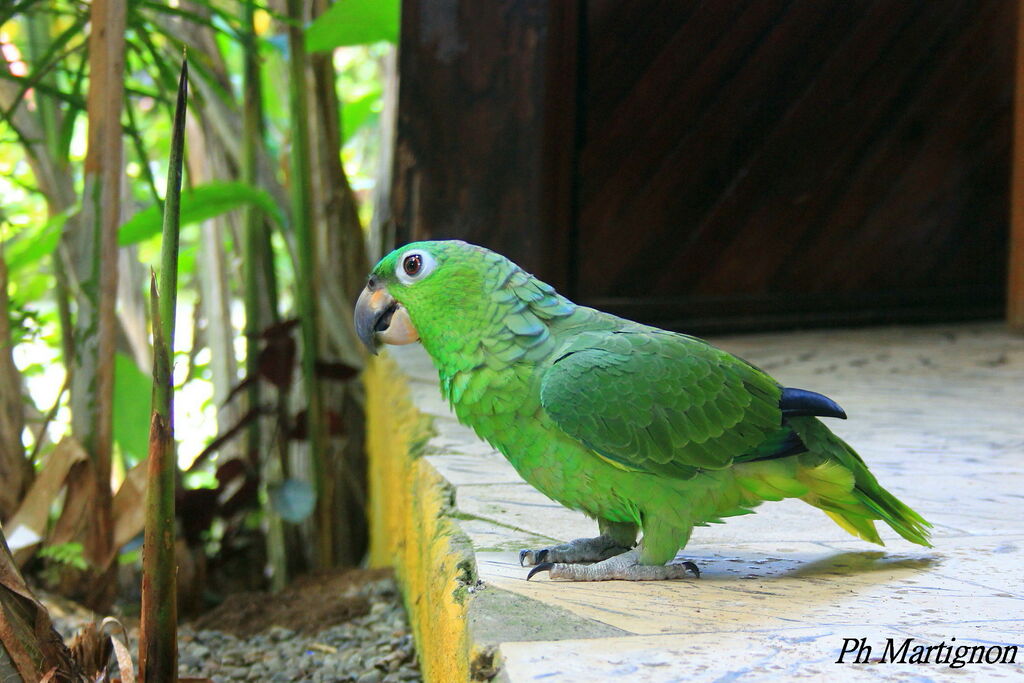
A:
[(414, 266)]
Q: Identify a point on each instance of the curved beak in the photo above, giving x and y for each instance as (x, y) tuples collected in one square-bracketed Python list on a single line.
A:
[(379, 318)]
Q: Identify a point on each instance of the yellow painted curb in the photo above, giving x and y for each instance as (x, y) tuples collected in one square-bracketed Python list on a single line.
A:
[(411, 529)]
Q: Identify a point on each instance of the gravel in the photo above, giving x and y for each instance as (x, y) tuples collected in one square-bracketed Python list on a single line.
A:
[(375, 648)]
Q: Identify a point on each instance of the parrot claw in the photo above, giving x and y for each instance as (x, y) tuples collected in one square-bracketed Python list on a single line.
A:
[(532, 557), (543, 567), (693, 568)]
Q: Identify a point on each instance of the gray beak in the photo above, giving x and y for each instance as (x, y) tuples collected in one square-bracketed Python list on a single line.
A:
[(374, 309)]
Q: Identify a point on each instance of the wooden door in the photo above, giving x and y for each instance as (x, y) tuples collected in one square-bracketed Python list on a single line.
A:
[(767, 163), (719, 165)]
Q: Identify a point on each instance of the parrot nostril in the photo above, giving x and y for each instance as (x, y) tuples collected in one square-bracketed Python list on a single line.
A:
[(373, 283)]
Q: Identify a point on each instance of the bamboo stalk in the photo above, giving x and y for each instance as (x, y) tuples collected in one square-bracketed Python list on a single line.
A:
[(90, 244), (49, 115), (158, 649), (260, 290), (253, 219), (307, 295), (15, 470), (342, 268), (50, 121)]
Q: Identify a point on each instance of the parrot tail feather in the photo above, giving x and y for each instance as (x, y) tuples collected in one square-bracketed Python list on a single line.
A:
[(904, 520), (842, 486), (855, 525)]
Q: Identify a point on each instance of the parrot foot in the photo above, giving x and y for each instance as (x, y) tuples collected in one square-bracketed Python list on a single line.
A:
[(624, 567), (573, 552)]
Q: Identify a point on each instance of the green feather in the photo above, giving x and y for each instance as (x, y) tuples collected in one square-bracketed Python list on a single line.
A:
[(625, 422)]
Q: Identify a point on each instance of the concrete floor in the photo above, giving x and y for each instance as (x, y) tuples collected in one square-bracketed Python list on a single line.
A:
[(938, 414)]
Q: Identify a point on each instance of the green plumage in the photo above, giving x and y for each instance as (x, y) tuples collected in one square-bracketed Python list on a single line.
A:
[(627, 423)]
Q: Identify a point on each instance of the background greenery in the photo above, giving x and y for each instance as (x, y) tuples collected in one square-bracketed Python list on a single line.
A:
[(288, 133)]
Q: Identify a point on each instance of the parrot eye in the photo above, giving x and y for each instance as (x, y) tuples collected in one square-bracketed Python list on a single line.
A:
[(412, 264), (415, 266)]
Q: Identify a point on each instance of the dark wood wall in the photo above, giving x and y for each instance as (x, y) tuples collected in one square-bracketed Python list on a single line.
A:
[(471, 153), (719, 165)]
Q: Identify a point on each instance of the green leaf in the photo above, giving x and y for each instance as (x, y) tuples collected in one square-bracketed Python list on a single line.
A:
[(200, 479), (33, 285), (7, 13), (133, 391), (50, 60), (354, 22), (67, 98), (357, 113), (31, 246), (200, 204), (194, 17), (70, 554)]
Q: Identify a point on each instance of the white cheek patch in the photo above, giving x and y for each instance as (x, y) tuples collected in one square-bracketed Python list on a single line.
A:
[(401, 330)]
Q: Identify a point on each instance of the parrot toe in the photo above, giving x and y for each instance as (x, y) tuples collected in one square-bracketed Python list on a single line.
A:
[(580, 550), (624, 567)]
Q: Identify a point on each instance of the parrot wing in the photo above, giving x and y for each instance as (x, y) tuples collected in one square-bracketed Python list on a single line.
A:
[(664, 403)]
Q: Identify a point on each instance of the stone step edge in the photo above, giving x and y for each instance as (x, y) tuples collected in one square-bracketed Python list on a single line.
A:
[(412, 529)]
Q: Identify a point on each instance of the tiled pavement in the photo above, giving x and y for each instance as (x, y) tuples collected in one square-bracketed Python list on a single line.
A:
[(938, 414)]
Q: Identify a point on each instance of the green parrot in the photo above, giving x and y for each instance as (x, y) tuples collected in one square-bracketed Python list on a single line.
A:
[(642, 429)]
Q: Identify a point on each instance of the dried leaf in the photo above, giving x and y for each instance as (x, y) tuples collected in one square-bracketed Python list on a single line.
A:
[(124, 657), (239, 487), (196, 508), (28, 525), (129, 511), (277, 362), (335, 370), (299, 430), (335, 423), (91, 649), (277, 358), (25, 628), (279, 330), (86, 519)]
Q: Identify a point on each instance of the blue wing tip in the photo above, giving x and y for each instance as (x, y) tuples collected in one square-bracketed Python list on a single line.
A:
[(800, 402)]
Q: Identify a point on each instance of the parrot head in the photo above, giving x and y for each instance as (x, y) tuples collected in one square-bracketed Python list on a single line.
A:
[(421, 290)]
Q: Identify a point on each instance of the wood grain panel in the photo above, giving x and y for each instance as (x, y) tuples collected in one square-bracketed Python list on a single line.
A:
[(719, 165), (1015, 279), (800, 157), (472, 154)]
